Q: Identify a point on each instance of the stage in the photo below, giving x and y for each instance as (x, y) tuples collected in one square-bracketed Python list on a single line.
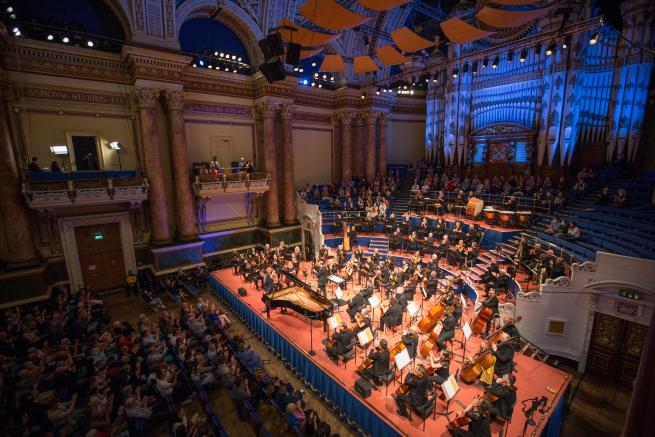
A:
[(289, 337)]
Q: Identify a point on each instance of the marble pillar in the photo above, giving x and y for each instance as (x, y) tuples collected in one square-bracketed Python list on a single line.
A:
[(358, 141), (382, 144), (336, 157), (370, 160), (346, 147), (266, 112), (288, 189), (159, 222), (15, 218), (184, 204)]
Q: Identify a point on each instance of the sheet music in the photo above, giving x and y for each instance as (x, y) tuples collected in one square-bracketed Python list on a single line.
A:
[(466, 329), (338, 292), (412, 308), (450, 387), (334, 321), (402, 359), (365, 337), (336, 279), (374, 301)]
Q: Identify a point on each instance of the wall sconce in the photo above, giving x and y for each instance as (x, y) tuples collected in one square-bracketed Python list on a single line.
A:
[(115, 145)]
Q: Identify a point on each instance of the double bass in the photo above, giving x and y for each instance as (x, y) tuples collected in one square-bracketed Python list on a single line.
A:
[(429, 321), (480, 320)]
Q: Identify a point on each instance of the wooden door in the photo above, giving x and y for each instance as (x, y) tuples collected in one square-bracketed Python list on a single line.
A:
[(101, 256), (615, 348)]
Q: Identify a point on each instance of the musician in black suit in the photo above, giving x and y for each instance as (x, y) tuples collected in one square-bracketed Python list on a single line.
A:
[(504, 354), (447, 331), (355, 305), (491, 302), (269, 287), (322, 277), (431, 284), (419, 385), (510, 328), (380, 366), (503, 388), (442, 366), (491, 274), (410, 340), (393, 316), (480, 424), (343, 341)]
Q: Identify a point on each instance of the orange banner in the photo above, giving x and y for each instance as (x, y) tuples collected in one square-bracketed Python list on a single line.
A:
[(305, 37), (304, 54), (333, 63), (330, 15), (503, 18), (409, 41), (390, 56), (365, 64), (460, 32), (382, 5)]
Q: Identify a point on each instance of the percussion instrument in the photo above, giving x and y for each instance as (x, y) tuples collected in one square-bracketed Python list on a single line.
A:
[(506, 218), (474, 207), (524, 218), (490, 214)]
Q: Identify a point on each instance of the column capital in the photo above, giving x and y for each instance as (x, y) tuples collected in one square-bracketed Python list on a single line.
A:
[(286, 111), (174, 100), (369, 117), (382, 117), (146, 97), (266, 110), (346, 118)]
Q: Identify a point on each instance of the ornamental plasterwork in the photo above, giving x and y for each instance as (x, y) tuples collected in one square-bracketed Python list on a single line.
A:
[(587, 266), (533, 296)]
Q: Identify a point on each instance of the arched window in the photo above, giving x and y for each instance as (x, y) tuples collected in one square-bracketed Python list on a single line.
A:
[(208, 39)]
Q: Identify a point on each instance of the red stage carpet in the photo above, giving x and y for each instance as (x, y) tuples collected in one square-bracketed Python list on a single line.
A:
[(534, 378)]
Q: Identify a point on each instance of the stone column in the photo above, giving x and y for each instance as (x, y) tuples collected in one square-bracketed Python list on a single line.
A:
[(184, 205), (382, 144), (267, 113), (370, 119), (358, 141), (337, 157), (15, 218), (346, 147), (159, 223), (288, 189)]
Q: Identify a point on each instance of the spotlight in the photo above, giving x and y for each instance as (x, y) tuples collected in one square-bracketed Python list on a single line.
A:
[(313, 64), (12, 16), (594, 39), (65, 40), (211, 66), (50, 37), (301, 70), (313, 83), (227, 68), (495, 62), (115, 145), (550, 50), (234, 56), (435, 78), (474, 68), (234, 71), (222, 55), (325, 76), (15, 30), (295, 68), (17, 33), (215, 53), (377, 91), (524, 55), (404, 87), (455, 72), (320, 86), (485, 62), (411, 92), (363, 96), (201, 62), (10, 9), (332, 78), (239, 59), (315, 74), (194, 65), (565, 43), (305, 82), (510, 57), (89, 43)]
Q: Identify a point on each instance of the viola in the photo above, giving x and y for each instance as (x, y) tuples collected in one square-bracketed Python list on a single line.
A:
[(495, 337)]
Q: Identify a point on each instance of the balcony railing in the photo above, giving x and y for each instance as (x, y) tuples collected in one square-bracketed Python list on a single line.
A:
[(208, 186), (66, 190)]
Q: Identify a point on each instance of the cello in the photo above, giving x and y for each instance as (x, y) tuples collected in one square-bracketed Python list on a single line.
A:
[(480, 320), (480, 362), (431, 341), (429, 321)]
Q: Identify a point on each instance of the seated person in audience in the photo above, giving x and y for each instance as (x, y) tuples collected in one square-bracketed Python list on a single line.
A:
[(240, 392), (553, 226), (34, 164), (621, 199), (605, 198), (153, 302), (249, 358), (342, 341), (54, 167), (295, 414), (572, 232)]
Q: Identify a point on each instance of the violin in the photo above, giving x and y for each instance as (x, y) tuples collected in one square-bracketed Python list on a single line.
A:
[(462, 419), (368, 361), (495, 337)]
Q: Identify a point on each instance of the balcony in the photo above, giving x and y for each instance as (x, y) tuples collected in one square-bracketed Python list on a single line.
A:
[(210, 186), (52, 190)]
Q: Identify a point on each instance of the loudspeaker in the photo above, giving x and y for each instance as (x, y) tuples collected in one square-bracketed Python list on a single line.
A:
[(242, 292), (275, 47), (273, 70), (293, 54), (363, 387)]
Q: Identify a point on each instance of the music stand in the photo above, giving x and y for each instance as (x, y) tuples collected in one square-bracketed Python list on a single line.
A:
[(466, 333), (450, 388)]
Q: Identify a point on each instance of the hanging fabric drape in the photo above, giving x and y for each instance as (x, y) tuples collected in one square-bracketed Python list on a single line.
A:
[(389, 56), (460, 32), (328, 14), (382, 5), (503, 18), (408, 41), (333, 63), (304, 37), (364, 64)]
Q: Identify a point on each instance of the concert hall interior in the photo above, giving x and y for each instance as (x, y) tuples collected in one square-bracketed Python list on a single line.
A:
[(327, 218)]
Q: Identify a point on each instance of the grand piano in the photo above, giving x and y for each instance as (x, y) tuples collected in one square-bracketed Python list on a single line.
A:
[(299, 297)]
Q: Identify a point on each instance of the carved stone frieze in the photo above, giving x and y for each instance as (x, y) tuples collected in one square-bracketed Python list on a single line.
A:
[(146, 97), (174, 100)]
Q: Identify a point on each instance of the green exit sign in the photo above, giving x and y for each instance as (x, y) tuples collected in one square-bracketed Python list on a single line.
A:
[(98, 236), (629, 294)]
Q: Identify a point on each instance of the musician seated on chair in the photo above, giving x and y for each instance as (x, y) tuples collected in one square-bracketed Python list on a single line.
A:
[(356, 303), (342, 343), (500, 282), (393, 316), (431, 284), (503, 388), (378, 371), (363, 320), (442, 366), (418, 385), (410, 340), (480, 424), (491, 302), (447, 331), (504, 354)]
